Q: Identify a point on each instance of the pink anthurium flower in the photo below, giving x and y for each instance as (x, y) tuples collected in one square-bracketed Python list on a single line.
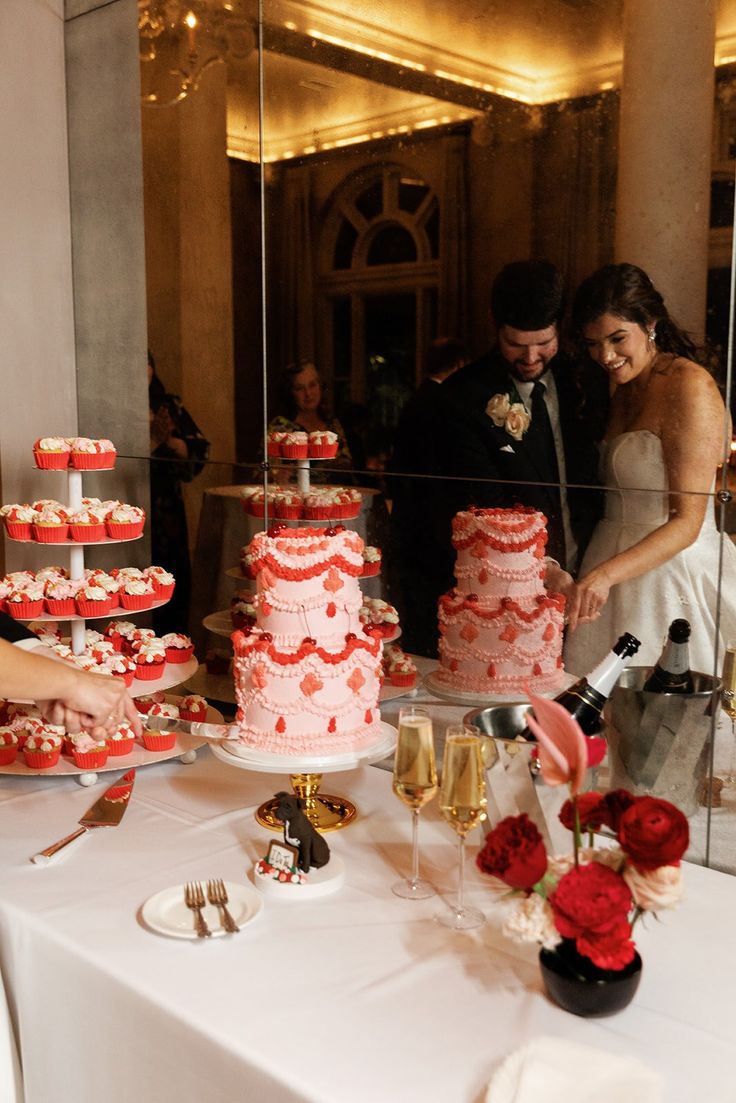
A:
[(563, 752)]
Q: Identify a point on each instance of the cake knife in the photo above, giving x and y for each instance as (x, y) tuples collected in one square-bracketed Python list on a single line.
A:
[(107, 811), (196, 728)]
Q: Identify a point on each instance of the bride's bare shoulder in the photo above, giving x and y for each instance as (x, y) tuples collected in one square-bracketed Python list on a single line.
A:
[(684, 379)]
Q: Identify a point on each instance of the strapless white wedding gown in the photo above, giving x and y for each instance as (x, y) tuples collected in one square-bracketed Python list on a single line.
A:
[(685, 586)]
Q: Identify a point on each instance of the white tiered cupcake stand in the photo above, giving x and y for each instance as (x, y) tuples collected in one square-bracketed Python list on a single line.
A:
[(174, 674)]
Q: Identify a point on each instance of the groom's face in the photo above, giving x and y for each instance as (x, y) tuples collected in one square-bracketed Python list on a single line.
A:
[(527, 352)]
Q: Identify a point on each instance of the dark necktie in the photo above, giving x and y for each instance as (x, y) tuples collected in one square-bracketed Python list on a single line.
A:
[(541, 426)]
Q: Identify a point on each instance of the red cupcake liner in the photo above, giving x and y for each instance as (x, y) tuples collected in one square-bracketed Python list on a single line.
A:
[(67, 746), (127, 677), (60, 607), (370, 569), (21, 735), (50, 534), (162, 593), (158, 741), (179, 654), (149, 672), (295, 451), (3, 604), (345, 511), (87, 534), (273, 448), (90, 760), (41, 760), (193, 717), (119, 747), (25, 610), (93, 608), (117, 531), (51, 461), (322, 451), (254, 509), (317, 513), (144, 706), (18, 530), (402, 679), (287, 513), (8, 755), (91, 461), (135, 601)]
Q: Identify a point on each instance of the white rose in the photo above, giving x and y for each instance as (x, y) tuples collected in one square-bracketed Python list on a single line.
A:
[(498, 408), (655, 888), (517, 420), (532, 921)]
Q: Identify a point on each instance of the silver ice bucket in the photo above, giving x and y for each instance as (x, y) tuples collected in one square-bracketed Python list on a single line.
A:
[(658, 743), (504, 724)]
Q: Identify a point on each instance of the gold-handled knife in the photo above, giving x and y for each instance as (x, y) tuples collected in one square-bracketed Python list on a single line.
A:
[(107, 811)]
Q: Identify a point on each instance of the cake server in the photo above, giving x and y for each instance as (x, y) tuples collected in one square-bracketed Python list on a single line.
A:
[(107, 811), (189, 727)]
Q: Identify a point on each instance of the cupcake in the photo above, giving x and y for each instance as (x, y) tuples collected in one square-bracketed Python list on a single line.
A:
[(88, 753), (160, 740), (52, 453), (25, 604), (43, 750), (87, 526), (242, 611), (376, 613), (193, 708), (50, 526), (254, 501), (119, 666), (135, 639), (165, 709), (287, 505), (317, 506), (347, 502), (17, 519), (8, 745), (136, 593), (371, 561), (273, 443), (148, 700), (59, 597), (247, 559), (295, 446), (322, 445), (399, 668), (179, 648), (92, 455), (163, 583), (50, 574), (93, 601), (121, 741), (109, 584), (125, 522), (118, 631), (150, 660)]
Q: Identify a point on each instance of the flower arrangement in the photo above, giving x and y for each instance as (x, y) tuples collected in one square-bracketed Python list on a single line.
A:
[(587, 901), (508, 412)]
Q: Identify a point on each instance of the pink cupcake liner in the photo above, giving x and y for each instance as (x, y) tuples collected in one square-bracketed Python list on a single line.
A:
[(163, 593), (25, 610), (87, 534), (8, 755), (179, 654), (41, 760), (50, 534), (18, 530), (51, 461), (295, 451), (322, 451), (92, 461), (158, 741), (93, 608), (116, 531), (149, 672), (60, 607), (119, 747), (90, 760), (135, 601)]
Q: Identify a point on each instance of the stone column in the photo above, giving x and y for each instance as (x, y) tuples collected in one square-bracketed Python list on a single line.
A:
[(665, 149)]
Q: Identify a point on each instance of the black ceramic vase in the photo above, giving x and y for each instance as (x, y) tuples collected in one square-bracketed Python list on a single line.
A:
[(579, 986)]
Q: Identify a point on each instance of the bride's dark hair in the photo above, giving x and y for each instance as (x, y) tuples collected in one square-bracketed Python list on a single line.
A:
[(627, 292)]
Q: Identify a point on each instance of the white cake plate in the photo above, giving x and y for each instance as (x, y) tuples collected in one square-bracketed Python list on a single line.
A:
[(462, 697), (269, 763)]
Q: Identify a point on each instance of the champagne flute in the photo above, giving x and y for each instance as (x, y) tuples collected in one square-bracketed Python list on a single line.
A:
[(463, 804), (728, 700), (415, 783)]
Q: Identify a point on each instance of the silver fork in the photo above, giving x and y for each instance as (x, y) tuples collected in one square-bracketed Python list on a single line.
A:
[(194, 899), (217, 895)]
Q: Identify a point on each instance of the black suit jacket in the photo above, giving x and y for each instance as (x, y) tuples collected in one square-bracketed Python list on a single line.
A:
[(480, 450)]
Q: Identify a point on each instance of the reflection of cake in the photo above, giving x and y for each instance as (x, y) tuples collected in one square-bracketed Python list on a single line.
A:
[(500, 630), (307, 675)]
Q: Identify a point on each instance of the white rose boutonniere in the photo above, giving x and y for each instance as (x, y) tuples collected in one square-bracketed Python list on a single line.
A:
[(508, 415)]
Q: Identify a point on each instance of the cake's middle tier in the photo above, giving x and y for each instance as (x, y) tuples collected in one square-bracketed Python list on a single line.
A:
[(294, 611)]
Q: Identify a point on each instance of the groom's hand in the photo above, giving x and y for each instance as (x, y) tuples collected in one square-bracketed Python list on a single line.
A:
[(588, 597)]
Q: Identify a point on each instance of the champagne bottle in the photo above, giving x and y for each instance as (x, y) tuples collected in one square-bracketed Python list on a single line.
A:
[(585, 698), (672, 671)]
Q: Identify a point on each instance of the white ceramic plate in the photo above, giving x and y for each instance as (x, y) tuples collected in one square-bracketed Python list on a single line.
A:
[(266, 762), (167, 914)]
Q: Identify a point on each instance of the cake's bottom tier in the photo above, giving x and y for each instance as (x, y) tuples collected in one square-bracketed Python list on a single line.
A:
[(310, 707), (500, 650)]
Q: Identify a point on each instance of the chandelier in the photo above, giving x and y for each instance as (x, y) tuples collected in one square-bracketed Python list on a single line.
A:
[(179, 40)]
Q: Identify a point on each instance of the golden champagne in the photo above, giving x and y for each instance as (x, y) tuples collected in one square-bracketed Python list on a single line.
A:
[(463, 789), (415, 769)]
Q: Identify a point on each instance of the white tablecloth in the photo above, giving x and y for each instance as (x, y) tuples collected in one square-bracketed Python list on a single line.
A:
[(360, 996)]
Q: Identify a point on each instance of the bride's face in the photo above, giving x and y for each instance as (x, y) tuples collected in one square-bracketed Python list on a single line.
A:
[(621, 347)]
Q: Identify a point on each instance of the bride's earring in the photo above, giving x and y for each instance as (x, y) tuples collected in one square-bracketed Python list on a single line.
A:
[(651, 335)]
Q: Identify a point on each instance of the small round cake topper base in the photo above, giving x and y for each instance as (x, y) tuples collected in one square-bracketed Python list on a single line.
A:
[(320, 882), (326, 813)]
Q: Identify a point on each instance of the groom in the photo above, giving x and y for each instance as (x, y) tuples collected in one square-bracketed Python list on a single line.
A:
[(525, 418)]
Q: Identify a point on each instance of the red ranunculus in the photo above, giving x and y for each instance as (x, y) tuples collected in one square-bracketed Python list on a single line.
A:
[(592, 812), (596, 747), (653, 833), (616, 802), (591, 905), (514, 852)]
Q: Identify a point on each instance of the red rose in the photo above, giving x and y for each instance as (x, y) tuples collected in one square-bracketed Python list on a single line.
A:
[(591, 905), (616, 802), (514, 852), (653, 833), (592, 812), (597, 748)]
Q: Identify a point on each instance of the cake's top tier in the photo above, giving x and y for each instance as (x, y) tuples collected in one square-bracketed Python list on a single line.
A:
[(301, 553), (500, 552)]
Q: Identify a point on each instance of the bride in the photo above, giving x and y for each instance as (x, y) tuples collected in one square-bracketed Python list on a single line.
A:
[(655, 555)]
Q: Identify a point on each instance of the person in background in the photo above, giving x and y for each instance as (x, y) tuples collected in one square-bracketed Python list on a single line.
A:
[(420, 557), (656, 554), (178, 453), (525, 418), (301, 408)]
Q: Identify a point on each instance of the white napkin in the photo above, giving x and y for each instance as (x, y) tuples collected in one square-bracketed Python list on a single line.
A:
[(559, 1071)]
